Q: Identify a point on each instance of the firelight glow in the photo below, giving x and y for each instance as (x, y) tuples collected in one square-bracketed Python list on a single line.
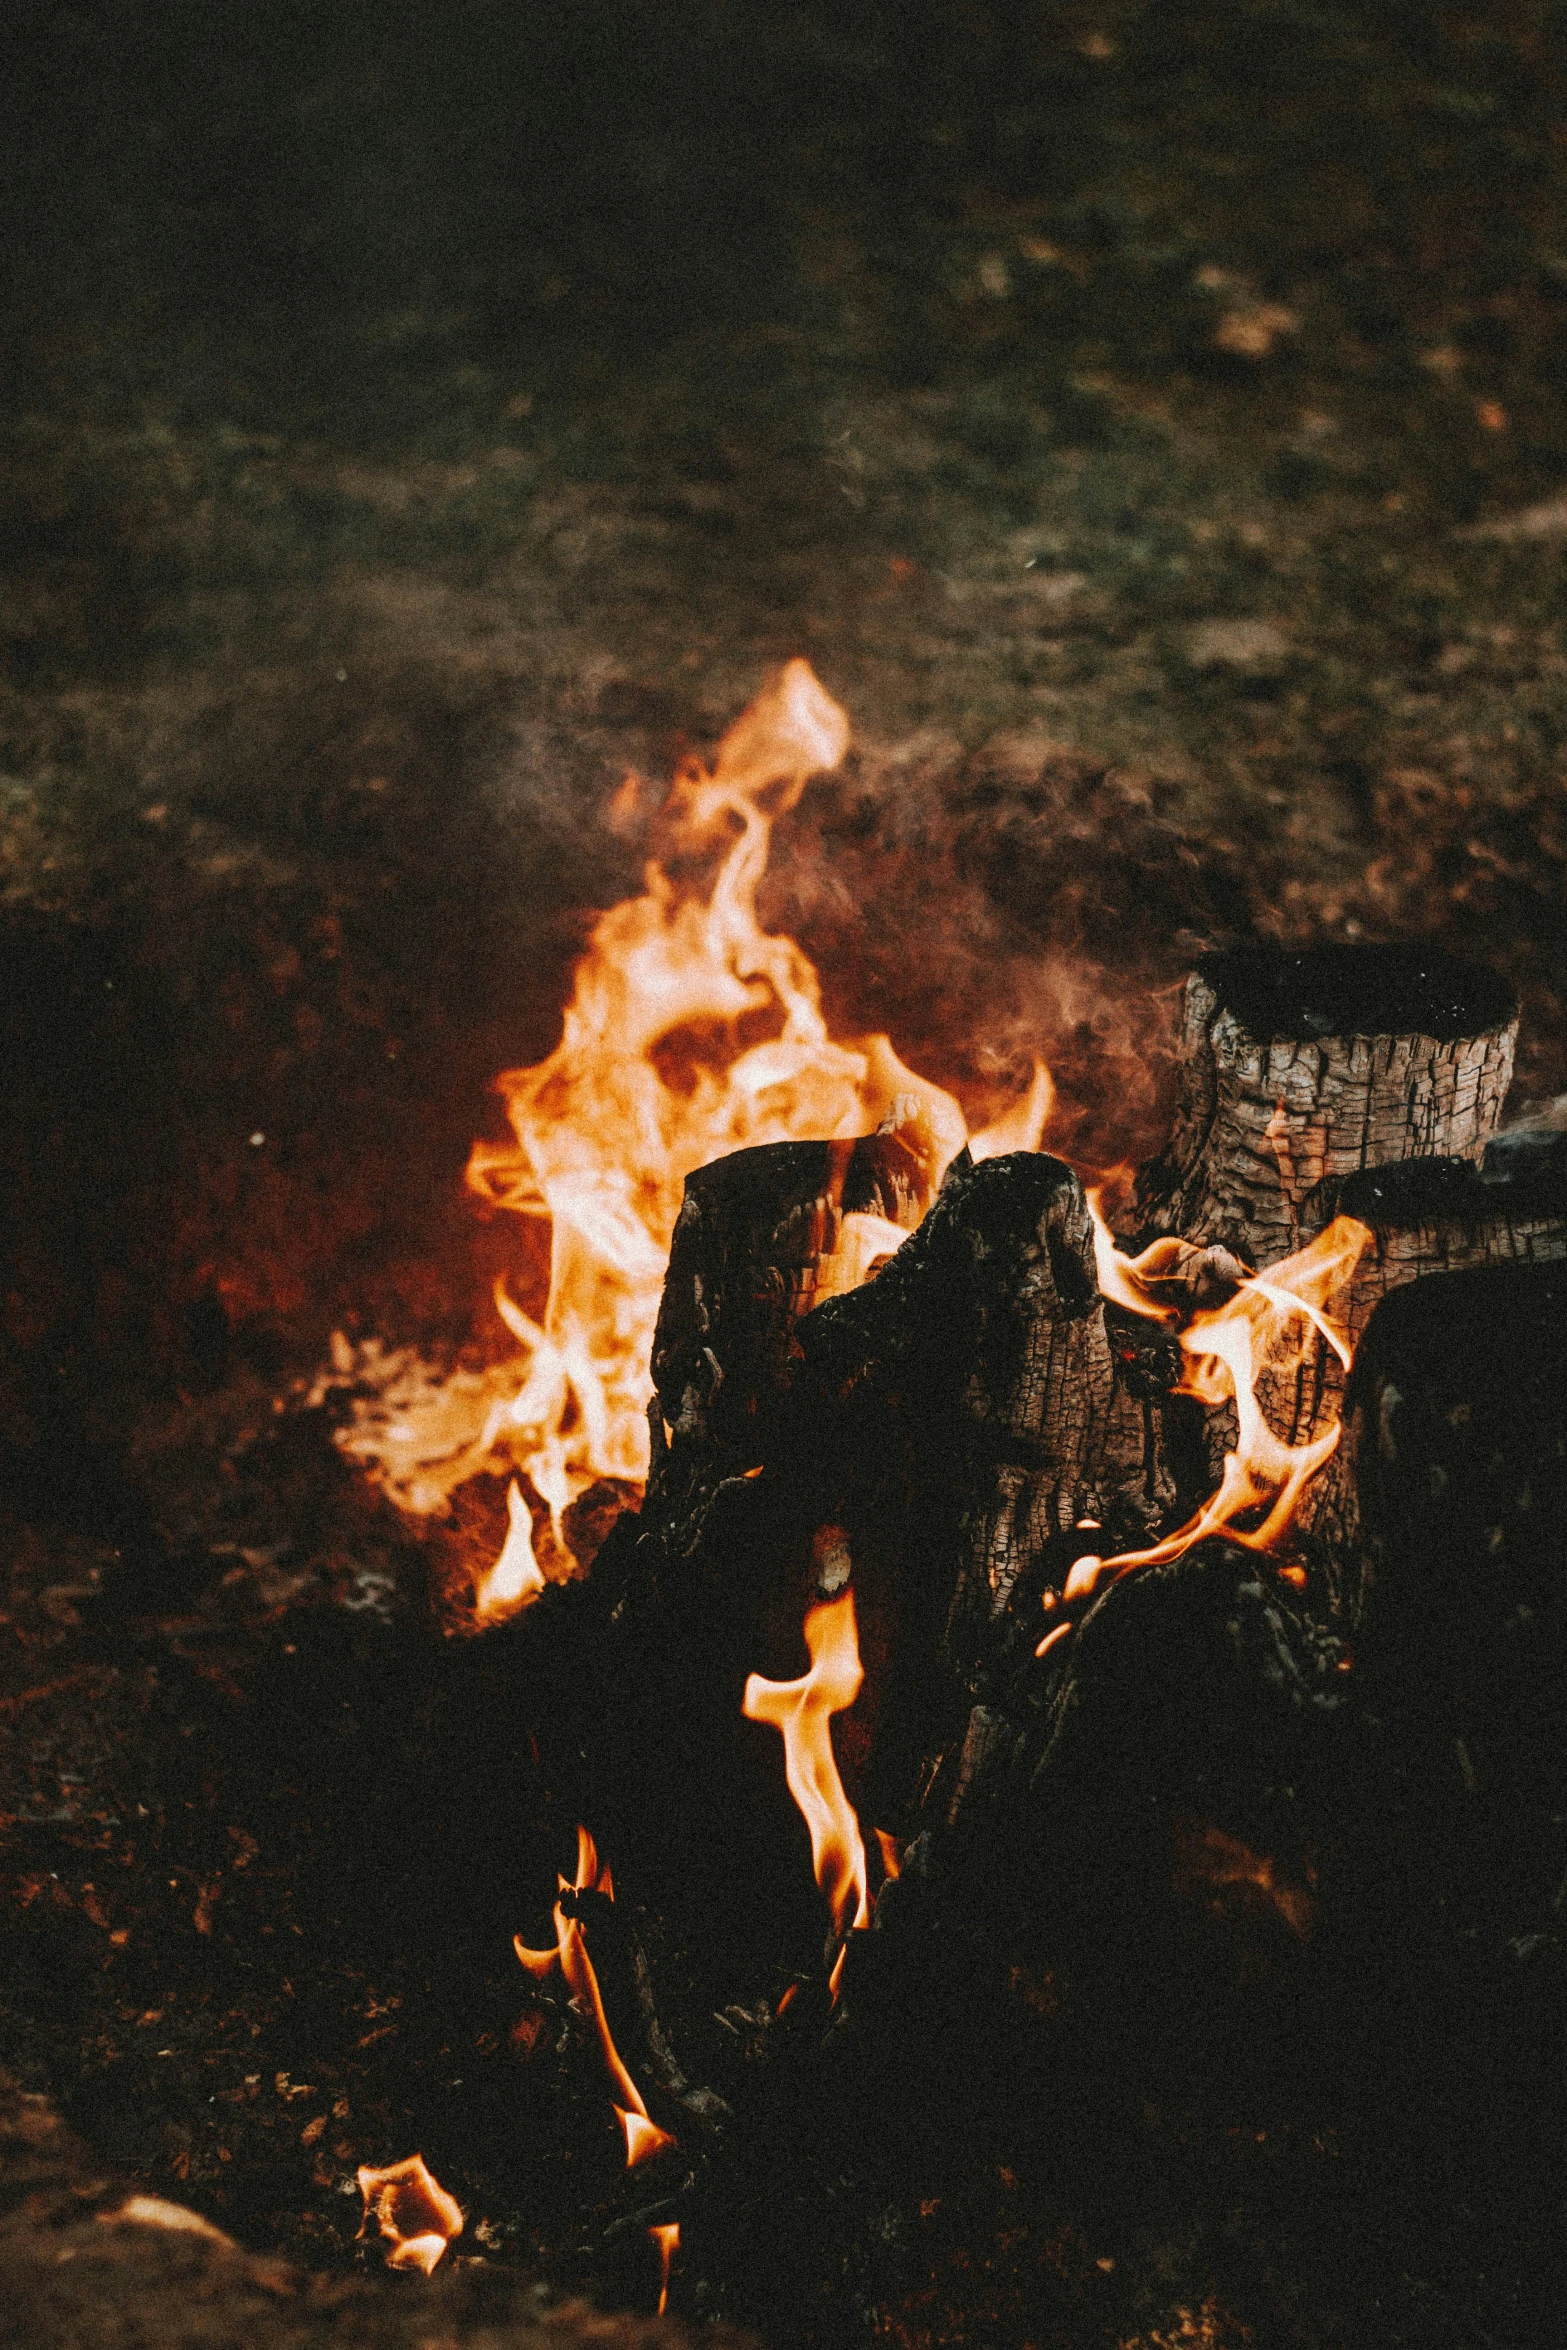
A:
[(412, 2210), (1269, 1324), (691, 1032)]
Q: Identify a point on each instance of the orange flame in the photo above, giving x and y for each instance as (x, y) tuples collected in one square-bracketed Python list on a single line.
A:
[(667, 2238), (516, 1579), (691, 1032), (1267, 1324), (642, 2134), (412, 2210), (802, 1711)]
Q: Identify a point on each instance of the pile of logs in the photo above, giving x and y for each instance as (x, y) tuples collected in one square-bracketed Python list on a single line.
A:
[(954, 1433)]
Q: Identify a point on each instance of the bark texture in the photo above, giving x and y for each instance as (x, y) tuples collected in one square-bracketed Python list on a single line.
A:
[(1426, 1218), (986, 1334), (759, 1240), (1299, 1068)]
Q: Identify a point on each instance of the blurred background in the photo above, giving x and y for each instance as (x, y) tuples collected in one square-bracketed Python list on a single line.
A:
[(1150, 420)]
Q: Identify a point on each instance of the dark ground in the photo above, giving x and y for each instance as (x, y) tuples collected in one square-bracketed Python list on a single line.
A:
[(1152, 423)]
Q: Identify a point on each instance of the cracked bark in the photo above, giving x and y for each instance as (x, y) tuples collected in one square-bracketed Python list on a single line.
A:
[(1296, 1069)]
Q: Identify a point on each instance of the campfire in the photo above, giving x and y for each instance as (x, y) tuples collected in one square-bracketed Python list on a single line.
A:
[(1051, 1675)]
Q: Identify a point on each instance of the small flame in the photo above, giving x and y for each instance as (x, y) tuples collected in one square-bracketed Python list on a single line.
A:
[(643, 2135), (412, 2210), (802, 1710), (605, 1132), (1022, 1127), (667, 2238), (516, 1578), (1267, 1324), (865, 1242), (891, 1854)]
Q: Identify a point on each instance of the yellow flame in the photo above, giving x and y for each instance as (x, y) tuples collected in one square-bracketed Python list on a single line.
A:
[(802, 1711), (1265, 1324), (606, 1130)]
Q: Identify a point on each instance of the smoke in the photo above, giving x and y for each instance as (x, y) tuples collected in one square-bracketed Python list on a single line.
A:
[(985, 909)]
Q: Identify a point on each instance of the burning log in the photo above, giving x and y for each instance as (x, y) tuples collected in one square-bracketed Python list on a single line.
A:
[(1426, 1218), (998, 1401), (1456, 1440), (1452, 1873), (761, 1238), (1300, 1067)]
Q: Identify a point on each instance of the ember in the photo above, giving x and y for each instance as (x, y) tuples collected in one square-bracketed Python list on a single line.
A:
[(412, 2210)]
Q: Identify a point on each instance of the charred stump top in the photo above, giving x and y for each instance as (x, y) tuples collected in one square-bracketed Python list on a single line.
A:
[(1300, 1067)]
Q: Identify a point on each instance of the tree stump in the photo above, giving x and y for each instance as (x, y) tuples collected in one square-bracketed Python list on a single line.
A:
[(1426, 1217), (1296, 1068), (954, 1433), (1456, 1444)]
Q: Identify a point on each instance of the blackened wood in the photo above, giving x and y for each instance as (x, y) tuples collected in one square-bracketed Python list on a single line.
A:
[(1456, 1436), (983, 1343), (1298, 1067), (1426, 1218), (753, 1235), (1192, 1693)]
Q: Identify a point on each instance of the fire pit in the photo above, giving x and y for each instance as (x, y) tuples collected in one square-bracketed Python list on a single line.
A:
[(893, 1665), (902, 1761)]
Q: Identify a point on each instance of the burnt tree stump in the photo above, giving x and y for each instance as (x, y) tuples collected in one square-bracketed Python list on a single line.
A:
[(956, 1431), (1299, 1067), (1427, 1218)]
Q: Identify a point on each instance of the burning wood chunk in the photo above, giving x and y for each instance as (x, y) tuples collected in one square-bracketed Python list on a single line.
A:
[(412, 2210), (1426, 1218), (1297, 1067), (756, 1244), (982, 1346)]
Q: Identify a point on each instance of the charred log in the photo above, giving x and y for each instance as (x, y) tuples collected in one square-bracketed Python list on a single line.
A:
[(759, 1240), (1297, 1068), (1426, 1218), (1456, 1432)]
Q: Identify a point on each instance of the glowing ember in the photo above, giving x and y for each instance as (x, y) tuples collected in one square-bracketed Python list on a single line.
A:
[(642, 2134), (691, 1032), (1268, 1324), (802, 1710), (412, 2210), (891, 1853)]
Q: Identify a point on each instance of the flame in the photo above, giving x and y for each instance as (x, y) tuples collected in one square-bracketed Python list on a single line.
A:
[(667, 2238), (1021, 1127), (643, 2135), (691, 1032), (802, 1711), (1267, 1324), (891, 1850), (516, 1578), (412, 2210)]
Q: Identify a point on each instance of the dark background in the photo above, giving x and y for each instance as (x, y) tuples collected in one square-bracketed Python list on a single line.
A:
[(1148, 418)]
